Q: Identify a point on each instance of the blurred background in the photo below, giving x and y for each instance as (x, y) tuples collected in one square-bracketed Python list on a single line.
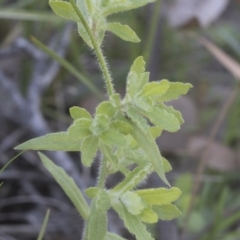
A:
[(182, 40)]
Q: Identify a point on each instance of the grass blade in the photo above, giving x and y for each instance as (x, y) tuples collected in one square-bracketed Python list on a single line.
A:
[(69, 67), (10, 161), (44, 225), (28, 16)]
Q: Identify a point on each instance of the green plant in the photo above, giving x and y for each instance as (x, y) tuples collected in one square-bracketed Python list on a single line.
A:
[(124, 130)]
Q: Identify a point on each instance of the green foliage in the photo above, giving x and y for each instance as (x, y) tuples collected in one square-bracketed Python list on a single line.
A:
[(122, 130), (68, 186), (44, 225)]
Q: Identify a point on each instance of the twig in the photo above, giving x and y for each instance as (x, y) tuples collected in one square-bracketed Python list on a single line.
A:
[(204, 156)]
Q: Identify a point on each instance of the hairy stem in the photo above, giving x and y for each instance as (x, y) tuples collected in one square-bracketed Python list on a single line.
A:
[(98, 52), (103, 173)]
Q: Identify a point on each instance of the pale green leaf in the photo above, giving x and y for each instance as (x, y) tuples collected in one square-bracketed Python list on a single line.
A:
[(167, 211), (133, 179), (163, 119), (64, 9), (80, 128), (97, 223), (77, 113), (89, 149), (68, 186), (61, 141), (113, 236), (100, 124), (148, 144), (137, 78), (156, 132), (92, 192), (175, 90), (83, 7), (122, 127), (159, 196), (139, 65), (166, 165), (106, 108), (103, 202), (132, 81), (123, 31), (100, 27), (144, 103), (113, 137), (148, 216), (132, 4), (108, 153), (132, 223), (137, 118), (44, 225), (116, 100), (155, 88), (171, 110), (132, 202)]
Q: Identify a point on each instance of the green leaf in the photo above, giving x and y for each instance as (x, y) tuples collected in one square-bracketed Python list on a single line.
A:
[(167, 211), (133, 179), (147, 143), (155, 88), (166, 165), (97, 223), (64, 9), (77, 113), (100, 27), (137, 118), (103, 202), (44, 225), (155, 132), (92, 192), (144, 103), (123, 31), (148, 216), (122, 127), (171, 110), (61, 141), (80, 128), (113, 137), (139, 65), (159, 196), (68, 186), (132, 202), (100, 124), (163, 119), (113, 236), (137, 78), (106, 108), (116, 100), (174, 92), (108, 153), (132, 223), (89, 149), (131, 4)]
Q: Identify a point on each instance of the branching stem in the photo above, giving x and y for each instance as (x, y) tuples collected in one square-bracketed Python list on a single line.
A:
[(98, 52)]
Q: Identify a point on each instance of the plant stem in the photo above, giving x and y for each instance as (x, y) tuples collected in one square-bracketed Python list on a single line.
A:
[(153, 27), (98, 52), (103, 173)]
